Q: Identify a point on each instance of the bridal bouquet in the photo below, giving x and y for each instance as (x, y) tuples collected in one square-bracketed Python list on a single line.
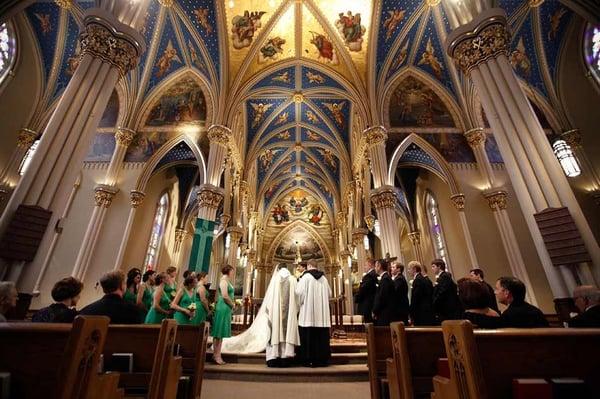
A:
[(192, 308)]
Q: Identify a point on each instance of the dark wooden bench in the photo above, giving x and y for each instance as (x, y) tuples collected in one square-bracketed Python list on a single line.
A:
[(192, 341), (156, 371), (416, 351), (56, 360), (484, 363), (379, 349)]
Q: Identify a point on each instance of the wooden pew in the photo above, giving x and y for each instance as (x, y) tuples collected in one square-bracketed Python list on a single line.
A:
[(155, 368), (483, 363), (54, 360), (192, 341), (379, 348), (416, 351)]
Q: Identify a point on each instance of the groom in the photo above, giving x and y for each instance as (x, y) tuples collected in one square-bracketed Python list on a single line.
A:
[(314, 320)]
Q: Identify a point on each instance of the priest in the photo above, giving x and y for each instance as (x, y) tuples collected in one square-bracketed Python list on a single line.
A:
[(314, 321), (282, 313)]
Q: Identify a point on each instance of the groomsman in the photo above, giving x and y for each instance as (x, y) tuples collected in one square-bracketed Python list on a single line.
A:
[(366, 292), (383, 305), (400, 293), (421, 306), (445, 293)]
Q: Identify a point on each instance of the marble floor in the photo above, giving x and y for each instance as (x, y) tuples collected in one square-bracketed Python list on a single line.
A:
[(220, 389)]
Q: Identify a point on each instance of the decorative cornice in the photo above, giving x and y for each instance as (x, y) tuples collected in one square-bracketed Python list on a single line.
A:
[(384, 197), (180, 235), (235, 233), (209, 196), (26, 138), (219, 134), (124, 136), (459, 201), (497, 200), (414, 237), (370, 222), (475, 137), (375, 135), (136, 197), (103, 195), (572, 138), (488, 39)]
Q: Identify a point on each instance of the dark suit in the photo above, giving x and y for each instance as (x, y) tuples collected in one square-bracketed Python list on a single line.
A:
[(492, 304), (445, 298), (400, 299), (113, 306), (366, 295), (523, 315), (421, 306), (383, 306), (588, 319)]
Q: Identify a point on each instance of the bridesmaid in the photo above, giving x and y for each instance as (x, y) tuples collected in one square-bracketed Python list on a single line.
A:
[(201, 300), (221, 327), (183, 299), (134, 276), (146, 290), (171, 283), (160, 305)]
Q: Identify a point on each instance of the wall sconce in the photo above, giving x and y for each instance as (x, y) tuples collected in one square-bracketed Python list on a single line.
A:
[(567, 159)]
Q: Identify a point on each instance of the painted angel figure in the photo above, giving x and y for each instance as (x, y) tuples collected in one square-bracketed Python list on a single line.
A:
[(202, 19), (259, 112), (324, 47), (428, 58), (164, 62), (519, 59), (45, 23), (555, 22), (392, 21), (336, 110), (315, 214), (266, 157), (314, 77), (243, 28), (312, 118)]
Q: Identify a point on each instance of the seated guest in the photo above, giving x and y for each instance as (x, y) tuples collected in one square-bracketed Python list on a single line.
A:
[(8, 298), (473, 296), (421, 304), (477, 275), (383, 305), (510, 291), (134, 276), (401, 293), (146, 290), (66, 293), (161, 301), (112, 303), (587, 300)]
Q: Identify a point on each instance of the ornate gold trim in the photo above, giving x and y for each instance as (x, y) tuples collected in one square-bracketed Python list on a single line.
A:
[(136, 197), (124, 136), (384, 198), (103, 195), (375, 135), (209, 197), (572, 138), (26, 138), (459, 201), (475, 137), (497, 200)]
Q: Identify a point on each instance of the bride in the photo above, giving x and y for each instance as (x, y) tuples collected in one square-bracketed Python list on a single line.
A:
[(275, 327)]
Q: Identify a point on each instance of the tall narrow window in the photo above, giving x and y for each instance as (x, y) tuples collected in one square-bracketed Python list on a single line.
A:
[(435, 227), (591, 50), (7, 49), (28, 157), (158, 231)]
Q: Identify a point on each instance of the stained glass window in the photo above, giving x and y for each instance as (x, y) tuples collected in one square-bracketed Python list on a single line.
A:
[(158, 231), (7, 49), (591, 43), (435, 228), (28, 157)]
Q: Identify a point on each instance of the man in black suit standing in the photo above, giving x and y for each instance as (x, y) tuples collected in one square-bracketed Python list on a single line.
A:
[(383, 305), (421, 306), (445, 293), (587, 300), (112, 303), (400, 293), (477, 275), (510, 291), (366, 292)]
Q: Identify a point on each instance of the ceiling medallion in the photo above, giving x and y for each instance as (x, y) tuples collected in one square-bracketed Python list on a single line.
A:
[(298, 97)]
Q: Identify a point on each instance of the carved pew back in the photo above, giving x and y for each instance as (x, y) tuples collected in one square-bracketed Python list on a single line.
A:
[(192, 342), (53, 360), (379, 348)]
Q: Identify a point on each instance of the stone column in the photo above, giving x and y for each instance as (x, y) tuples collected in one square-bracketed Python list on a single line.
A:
[(110, 47), (235, 235), (358, 240), (385, 201), (415, 240), (248, 271), (346, 265), (573, 139), (479, 43), (459, 204), (375, 138), (123, 138), (180, 235), (209, 198), (136, 198), (9, 176)]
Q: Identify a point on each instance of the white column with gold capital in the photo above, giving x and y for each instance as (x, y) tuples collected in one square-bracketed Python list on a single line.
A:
[(136, 198), (110, 47), (385, 201), (479, 44), (9, 176), (459, 204), (180, 235)]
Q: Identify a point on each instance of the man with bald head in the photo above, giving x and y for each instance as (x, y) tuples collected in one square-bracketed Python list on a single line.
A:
[(587, 300)]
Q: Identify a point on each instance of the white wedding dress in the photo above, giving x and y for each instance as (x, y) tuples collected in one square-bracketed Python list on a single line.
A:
[(256, 337)]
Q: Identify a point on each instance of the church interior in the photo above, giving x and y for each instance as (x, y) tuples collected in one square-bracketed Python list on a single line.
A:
[(204, 133)]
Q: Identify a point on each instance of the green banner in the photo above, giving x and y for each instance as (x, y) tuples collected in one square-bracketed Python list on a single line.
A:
[(202, 245)]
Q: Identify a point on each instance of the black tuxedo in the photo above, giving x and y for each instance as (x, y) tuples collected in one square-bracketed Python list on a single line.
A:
[(113, 306), (588, 319), (445, 298), (492, 304), (421, 306), (400, 299), (366, 295), (383, 306), (523, 315)]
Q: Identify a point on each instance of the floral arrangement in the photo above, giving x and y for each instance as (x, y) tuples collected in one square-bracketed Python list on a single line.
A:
[(192, 308)]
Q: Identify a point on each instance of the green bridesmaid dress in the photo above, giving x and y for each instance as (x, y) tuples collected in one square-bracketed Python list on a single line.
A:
[(221, 327), (201, 314), (147, 297), (185, 301), (130, 297), (154, 317)]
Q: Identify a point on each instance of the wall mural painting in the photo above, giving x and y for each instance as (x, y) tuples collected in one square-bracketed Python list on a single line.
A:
[(259, 113), (166, 59), (392, 21), (102, 148), (429, 58), (453, 146), (298, 205), (298, 244), (351, 29), (243, 28), (325, 48), (144, 145), (201, 15), (111, 113), (336, 110), (271, 50), (183, 102), (519, 59), (315, 78), (414, 104), (267, 156)]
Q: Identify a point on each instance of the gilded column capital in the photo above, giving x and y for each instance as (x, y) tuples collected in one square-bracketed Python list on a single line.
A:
[(475, 137), (497, 199), (572, 138), (235, 233), (459, 201), (136, 197), (103, 195), (101, 40), (210, 196), (124, 136), (166, 3), (414, 237), (370, 222), (384, 197), (224, 219), (66, 4), (340, 218), (481, 41), (375, 135), (180, 235), (358, 235), (26, 138), (219, 134)]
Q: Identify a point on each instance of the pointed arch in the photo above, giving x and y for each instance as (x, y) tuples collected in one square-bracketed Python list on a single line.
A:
[(292, 226), (443, 169), (310, 189)]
